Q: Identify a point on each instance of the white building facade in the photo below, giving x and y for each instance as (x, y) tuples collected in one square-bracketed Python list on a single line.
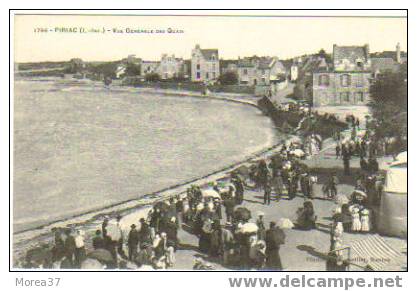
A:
[(205, 65)]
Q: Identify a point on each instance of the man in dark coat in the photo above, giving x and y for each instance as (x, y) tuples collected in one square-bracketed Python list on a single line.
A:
[(69, 246), (98, 241), (132, 242), (58, 251), (144, 232), (275, 237), (229, 205), (346, 161)]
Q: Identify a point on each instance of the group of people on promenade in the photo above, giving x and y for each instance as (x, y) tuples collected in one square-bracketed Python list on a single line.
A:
[(234, 240)]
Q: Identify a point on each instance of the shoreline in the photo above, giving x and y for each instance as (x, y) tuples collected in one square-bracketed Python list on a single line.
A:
[(25, 239)]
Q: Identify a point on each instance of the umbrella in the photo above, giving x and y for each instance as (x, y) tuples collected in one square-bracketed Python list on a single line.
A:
[(248, 227), (101, 255), (211, 193), (242, 213), (360, 193), (341, 199), (285, 223), (113, 231), (92, 264)]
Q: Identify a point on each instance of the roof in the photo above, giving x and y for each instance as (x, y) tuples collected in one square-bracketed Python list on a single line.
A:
[(351, 53), (208, 53), (383, 64)]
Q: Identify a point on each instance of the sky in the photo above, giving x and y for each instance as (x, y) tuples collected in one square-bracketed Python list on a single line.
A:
[(284, 37)]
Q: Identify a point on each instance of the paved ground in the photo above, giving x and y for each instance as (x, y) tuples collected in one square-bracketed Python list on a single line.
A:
[(304, 250)]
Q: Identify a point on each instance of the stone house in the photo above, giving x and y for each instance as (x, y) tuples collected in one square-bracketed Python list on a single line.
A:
[(205, 65), (148, 67), (259, 71), (171, 67), (347, 81)]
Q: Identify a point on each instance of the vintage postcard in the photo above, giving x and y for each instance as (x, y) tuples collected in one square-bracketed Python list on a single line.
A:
[(209, 142)]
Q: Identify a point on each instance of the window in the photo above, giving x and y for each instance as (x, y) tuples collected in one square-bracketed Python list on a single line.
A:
[(359, 64), (324, 80), (245, 71), (198, 75), (213, 57), (263, 80), (345, 97), (214, 75), (345, 80), (207, 75), (263, 72), (359, 81), (198, 67), (214, 66)]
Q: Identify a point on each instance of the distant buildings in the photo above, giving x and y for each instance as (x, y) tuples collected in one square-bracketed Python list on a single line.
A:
[(205, 65)]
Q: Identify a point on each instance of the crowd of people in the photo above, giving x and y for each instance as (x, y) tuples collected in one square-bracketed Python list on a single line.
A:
[(226, 231)]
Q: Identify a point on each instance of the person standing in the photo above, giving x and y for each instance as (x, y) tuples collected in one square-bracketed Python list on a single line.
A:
[(274, 238), (69, 246), (229, 204), (346, 162), (79, 252), (98, 241), (132, 242), (337, 151), (267, 190)]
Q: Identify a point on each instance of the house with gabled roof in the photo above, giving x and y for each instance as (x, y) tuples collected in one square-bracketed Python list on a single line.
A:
[(205, 66), (259, 71), (347, 80)]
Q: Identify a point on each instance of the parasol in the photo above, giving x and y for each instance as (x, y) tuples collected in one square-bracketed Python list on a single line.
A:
[(285, 223), (341, 199), (248, 227), (360, 193), (211, 193)]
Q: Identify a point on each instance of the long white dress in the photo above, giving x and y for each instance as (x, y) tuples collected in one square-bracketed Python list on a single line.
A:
[(365, 223), (356, 222)]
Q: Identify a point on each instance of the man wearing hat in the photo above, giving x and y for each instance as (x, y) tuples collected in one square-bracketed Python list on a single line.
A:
[(132, 242)]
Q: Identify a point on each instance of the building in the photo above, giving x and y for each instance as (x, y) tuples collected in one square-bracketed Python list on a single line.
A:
[(347, 81), (259, 71), (171, 67), (149, 67), (205, 65)]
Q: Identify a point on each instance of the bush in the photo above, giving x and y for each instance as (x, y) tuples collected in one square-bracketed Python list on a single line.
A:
[(228, 78), (152, 77)]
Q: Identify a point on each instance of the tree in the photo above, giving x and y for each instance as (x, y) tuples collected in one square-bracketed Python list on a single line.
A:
[(132, 70), (322, 53), (228, 78), (152, 77), (389, 103)]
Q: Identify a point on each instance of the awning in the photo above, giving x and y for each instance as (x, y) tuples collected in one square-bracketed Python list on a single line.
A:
[(374, 253)]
